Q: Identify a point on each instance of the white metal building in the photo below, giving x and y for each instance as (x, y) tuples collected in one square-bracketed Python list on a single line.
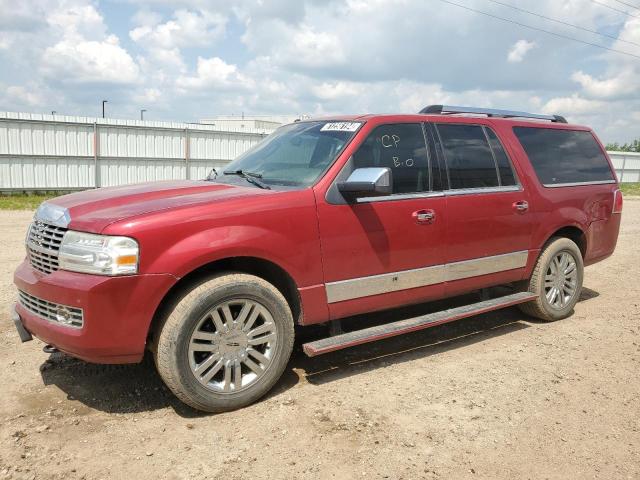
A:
[(249, 123), (627, 165), (56, 152)]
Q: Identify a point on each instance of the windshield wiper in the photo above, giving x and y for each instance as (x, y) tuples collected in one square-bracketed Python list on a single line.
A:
[(251, 177)]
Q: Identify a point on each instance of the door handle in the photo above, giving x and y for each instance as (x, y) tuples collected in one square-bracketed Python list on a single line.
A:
[(521, 206), (424, 216)]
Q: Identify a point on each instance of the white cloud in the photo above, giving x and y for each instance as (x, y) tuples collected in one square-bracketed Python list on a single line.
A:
[(85, 53), (518, 50), (574, 105), (78, 21), (20, 93), (214, 72), (186, 29), (296, 45), (148, 96), (336, 90), (90, 62), (623, 82), (188, 59)]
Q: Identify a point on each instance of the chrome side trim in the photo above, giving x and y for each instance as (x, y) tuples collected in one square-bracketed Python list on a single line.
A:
[(577, 184), (384, 283), (445, 193), (399, 196), (476, 191), (486, 265), (421, 277)]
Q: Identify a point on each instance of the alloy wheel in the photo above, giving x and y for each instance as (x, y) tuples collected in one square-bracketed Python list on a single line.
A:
[(561, 280), (232, 345)]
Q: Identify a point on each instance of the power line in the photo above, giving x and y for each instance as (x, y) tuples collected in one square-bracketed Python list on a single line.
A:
[(627, 4), (615, 9), (566, 37), (563, 22)]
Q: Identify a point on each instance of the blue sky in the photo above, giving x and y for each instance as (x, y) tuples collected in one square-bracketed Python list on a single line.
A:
[(190, 59)]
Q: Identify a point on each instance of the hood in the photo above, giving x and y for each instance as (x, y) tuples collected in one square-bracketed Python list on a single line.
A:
[(93, 210)]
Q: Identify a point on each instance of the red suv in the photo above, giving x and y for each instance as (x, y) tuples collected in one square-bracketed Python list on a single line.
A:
[(324, 219)]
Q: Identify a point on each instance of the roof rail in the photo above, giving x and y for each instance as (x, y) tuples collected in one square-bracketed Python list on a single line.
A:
[(490, 112)]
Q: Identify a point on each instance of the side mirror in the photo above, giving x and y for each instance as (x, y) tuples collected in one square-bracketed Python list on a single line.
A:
[(367, 182)]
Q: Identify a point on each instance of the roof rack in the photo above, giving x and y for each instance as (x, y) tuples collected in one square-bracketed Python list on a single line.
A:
[(490, 112)]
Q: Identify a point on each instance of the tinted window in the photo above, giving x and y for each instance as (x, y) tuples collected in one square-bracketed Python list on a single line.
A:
[(564, 156), (507, 177), (438, 173), (469, 159), (296, 154), (401, 147)]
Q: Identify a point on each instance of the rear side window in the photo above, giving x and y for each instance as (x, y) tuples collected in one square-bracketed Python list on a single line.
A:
[(402, 148), (507, 178), (564, 156), (469, 159)]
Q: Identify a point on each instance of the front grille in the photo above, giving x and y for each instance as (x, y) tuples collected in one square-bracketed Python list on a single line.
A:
[(43, 243), (54, 312)]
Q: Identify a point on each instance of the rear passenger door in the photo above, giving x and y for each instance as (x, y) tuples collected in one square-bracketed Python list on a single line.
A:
[(488, 226)]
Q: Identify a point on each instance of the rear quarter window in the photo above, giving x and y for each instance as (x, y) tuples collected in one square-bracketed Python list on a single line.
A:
[(564, 156)]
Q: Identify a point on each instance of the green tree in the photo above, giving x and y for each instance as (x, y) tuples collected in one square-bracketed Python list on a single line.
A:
[(627, 147)]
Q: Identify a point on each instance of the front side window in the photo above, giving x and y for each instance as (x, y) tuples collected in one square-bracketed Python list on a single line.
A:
[(400, 147), (470, 162), (564, 156), (294, 155)]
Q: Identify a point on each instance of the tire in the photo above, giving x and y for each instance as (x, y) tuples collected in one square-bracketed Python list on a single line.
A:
[(197, 337), (546, 306)]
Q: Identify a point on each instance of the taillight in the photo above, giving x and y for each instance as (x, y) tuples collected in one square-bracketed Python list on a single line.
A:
[(617, 201)]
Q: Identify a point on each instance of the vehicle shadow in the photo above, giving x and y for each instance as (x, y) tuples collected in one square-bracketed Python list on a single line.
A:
[(424, 343), (138, 388)]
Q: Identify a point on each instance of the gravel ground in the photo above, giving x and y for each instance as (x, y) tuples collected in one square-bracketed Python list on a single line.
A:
[(494, 396)]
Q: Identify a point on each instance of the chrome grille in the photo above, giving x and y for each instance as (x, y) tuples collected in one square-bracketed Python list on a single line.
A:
[(43, 243), (54, 312)]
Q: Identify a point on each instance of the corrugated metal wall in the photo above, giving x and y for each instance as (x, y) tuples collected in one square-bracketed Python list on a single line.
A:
[(45, 152), (55, 152), (627, 165)]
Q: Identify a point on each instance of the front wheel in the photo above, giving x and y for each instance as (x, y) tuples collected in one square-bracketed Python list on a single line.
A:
[(226, 342), (557, 280)]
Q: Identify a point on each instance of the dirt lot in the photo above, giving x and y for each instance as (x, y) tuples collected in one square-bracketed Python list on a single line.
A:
[(495, 396)]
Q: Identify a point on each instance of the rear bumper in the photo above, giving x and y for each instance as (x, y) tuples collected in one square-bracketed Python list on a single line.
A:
[(117, 312)]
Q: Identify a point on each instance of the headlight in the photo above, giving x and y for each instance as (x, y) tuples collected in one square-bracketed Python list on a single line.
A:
[(98, 254)]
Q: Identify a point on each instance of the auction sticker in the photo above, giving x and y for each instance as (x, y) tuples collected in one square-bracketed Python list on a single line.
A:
[(340, 127)]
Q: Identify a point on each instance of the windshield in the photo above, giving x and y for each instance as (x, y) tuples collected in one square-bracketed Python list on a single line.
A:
[(294, 155)]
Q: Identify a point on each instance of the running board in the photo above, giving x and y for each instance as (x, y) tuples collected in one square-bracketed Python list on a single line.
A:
[(357, 337)]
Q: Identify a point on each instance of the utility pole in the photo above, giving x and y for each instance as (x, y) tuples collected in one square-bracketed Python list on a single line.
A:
[(103, 102), (142, 114)]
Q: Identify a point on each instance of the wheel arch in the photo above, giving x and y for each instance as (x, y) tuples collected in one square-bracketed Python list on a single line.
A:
[(572, 232), (260, 267)]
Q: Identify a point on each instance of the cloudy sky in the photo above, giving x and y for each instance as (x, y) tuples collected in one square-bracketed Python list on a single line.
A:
[(190, 59)]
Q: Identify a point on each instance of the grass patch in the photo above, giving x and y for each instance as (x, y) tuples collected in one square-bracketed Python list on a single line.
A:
[(630, 188), (23, 202)]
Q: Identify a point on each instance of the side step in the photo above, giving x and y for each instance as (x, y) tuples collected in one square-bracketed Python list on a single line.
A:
[(387, 330)]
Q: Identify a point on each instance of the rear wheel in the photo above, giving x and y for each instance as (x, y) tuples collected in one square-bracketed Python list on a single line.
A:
[(557, 280), (226, 342)]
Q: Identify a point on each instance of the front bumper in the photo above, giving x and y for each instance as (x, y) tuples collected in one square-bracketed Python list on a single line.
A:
[(24, 335), (117, 311)]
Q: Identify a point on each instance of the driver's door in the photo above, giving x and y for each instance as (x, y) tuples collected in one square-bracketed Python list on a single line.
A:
[(381, 252)]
